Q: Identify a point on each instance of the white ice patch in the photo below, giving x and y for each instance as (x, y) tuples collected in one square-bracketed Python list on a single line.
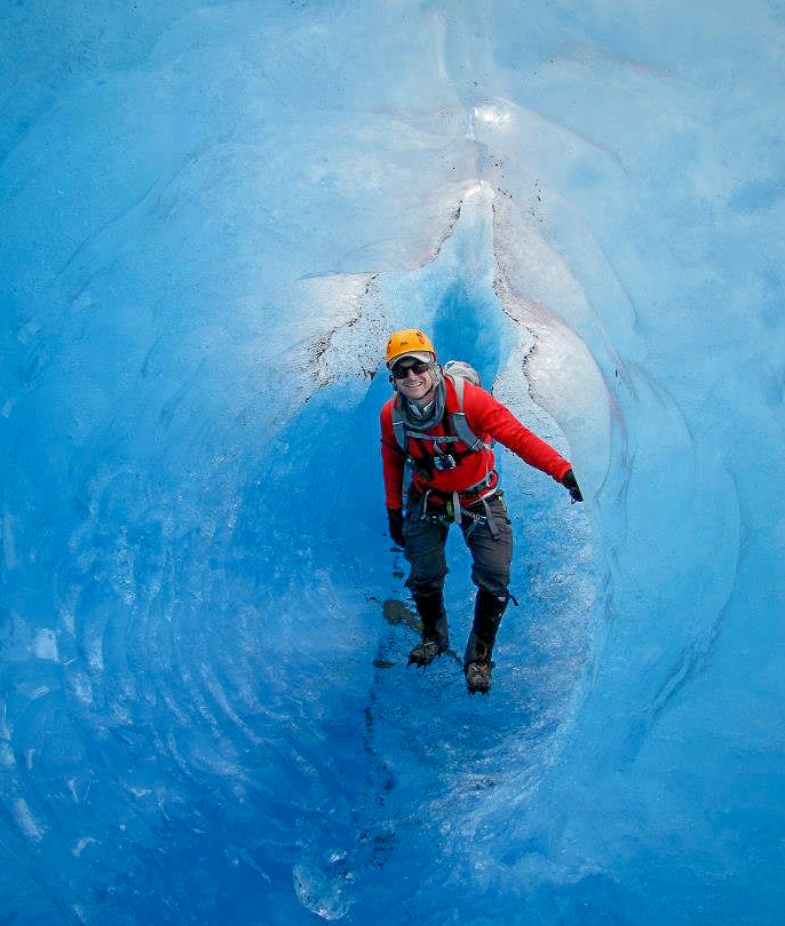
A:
[(6, 753), (9, 545), (26, 821), (95, 654), (7, 759), (320, 893), (83, 301), (482, 189), (493, 115), (82, 844), (81, 688), (45, 645)]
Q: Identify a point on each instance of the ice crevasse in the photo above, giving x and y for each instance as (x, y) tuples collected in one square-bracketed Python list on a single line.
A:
[(213, 215)]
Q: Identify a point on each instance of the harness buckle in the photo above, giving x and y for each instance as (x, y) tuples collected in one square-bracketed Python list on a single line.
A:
[(444, 461)]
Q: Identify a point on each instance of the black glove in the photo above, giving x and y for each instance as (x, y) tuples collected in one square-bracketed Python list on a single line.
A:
[(395, 517), (571, 484)]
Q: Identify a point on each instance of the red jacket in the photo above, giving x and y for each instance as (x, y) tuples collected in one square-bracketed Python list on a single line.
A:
[(488, 419)]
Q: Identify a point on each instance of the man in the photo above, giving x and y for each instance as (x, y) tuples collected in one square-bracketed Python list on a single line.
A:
[(438, 427)]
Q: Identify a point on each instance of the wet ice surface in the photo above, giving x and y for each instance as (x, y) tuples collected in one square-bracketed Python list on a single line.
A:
[(213, 215)]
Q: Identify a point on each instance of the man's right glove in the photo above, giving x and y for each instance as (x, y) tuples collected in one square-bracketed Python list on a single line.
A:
[(571, 484), (395, 518)]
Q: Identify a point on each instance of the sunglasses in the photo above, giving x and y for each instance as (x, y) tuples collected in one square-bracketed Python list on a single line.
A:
[(400, 370)]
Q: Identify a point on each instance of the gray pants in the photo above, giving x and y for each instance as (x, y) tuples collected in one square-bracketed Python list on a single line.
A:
[(491, 556)]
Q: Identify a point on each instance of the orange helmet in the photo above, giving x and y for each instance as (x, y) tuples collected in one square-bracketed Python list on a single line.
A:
[(407, 341)]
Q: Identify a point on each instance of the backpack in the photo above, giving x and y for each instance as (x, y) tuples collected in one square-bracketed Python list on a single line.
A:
[(463, 370), (457, 371)]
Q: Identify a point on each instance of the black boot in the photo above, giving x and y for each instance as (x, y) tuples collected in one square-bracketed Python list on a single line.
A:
[(477, 664), (433, 640)]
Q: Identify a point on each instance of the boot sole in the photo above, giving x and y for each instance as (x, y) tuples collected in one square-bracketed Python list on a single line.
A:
[(473, 691), (425, 661), (478, 684)]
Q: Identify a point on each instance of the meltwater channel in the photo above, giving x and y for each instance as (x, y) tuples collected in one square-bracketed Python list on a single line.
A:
[(213, 216)]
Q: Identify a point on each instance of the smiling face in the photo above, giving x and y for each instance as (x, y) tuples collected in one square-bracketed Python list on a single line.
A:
[(414, 380), (416, 386)]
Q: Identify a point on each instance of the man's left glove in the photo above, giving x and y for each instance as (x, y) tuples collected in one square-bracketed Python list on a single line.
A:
[(571, 484), (395, 518)]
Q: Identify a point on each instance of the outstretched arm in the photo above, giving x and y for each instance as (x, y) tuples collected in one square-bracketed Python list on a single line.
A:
[(486, 415)]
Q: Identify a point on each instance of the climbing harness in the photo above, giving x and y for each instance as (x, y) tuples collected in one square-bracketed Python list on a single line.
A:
[(454, 507)]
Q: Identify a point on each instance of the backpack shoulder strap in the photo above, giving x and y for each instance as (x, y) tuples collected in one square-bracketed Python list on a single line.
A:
[(399, 425), (458, 422), (458, 384)]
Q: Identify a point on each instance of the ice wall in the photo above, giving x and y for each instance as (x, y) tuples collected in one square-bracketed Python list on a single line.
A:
[(212, 216)]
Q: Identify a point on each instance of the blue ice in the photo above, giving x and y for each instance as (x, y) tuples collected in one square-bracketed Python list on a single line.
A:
[(213, 214)]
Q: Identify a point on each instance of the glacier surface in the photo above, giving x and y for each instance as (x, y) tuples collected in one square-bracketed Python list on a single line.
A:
[(213, 214)]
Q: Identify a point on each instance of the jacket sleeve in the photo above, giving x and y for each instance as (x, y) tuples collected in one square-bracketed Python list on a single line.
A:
[(486, 415), (393, 461)]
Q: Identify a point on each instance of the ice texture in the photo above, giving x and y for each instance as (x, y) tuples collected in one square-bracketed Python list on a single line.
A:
[(212, 216)]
